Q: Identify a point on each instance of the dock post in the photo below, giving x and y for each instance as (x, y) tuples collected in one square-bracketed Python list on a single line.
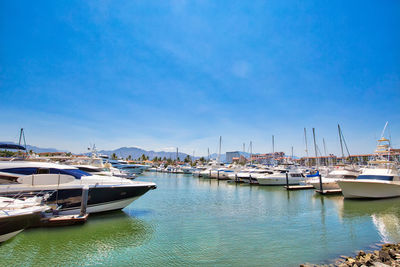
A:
[(85, 196), (287, 181), (320, 184), (236, 178), (218, 174), (209, 176)]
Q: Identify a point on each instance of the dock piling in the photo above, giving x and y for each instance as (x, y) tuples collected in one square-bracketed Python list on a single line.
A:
[(85, 196), (320, 183), (287, 180)]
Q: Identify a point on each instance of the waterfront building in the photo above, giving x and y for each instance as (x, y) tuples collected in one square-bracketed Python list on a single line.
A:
[(267, 158), (230, 155)]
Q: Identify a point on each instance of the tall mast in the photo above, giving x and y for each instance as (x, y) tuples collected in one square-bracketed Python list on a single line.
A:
[(208, 153), (292, 153), (244, 148), (305, 139), (219, 151), (341, 141), (251, 153), (273, 144), (315, 146), (326, 155), (177, 154)]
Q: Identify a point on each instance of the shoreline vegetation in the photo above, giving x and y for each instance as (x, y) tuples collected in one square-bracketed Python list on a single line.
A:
[(388, 255)]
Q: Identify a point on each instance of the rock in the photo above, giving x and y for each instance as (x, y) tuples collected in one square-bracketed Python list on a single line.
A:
[(392, 253), (380, 264), (350, 260), (361, 253), (368, 259), (384, 256)]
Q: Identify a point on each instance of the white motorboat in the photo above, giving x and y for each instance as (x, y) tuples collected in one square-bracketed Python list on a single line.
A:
[(379, 180), (187, 169), (329, 182), (374, 182), (106, 193), (278, 177), (16, 215), (129, 168)]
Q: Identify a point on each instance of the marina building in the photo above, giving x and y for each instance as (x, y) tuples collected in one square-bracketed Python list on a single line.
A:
[(230, 155)]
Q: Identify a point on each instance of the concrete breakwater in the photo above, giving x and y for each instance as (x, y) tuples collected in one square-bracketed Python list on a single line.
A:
[(388, 255)]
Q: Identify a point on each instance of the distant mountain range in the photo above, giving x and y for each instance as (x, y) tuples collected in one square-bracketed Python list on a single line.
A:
[(135, 152)]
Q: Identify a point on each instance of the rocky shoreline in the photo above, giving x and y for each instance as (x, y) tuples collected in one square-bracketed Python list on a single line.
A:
[(388, 255)]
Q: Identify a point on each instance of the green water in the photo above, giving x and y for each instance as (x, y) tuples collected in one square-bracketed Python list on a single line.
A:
[(190, 221)]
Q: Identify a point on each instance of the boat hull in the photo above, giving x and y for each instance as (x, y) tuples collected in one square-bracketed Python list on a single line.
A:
[(277, 181), (327, 184), (11, 225), (100, 198), (372, 189)]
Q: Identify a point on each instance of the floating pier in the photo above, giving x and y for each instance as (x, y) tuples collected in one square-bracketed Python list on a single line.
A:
[(298, 187), (65, 220), (329, 192)]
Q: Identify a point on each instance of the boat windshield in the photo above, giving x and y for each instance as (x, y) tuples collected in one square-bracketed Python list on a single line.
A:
[(375, 177), (29, 171)]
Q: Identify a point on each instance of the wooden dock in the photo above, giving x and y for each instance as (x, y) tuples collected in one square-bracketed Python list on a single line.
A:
[(298, 187), (329, 192), (65, 220)]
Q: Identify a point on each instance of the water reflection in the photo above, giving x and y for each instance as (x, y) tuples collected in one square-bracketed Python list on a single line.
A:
[(385, 214), (91, 242)]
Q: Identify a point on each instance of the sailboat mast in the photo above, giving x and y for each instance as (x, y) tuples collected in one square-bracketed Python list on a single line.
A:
[(326, 155), (315, 147), (341, 141), (219, 151), (305, 139), (273, 144), (251, 153), (292, 152)]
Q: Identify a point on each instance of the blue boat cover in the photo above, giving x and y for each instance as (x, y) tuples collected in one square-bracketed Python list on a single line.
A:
[(11, 146), (313, 175)]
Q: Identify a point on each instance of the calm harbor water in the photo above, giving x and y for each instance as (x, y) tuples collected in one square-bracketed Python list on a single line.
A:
[(190, 221)]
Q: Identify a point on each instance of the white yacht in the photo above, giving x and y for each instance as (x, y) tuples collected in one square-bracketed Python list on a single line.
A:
[(187, 169), (129, 168), (106, 193), (278, 177), (329, 182), (198, 170), (379, 180)]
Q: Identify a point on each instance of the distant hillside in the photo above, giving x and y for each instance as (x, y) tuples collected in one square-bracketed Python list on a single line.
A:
[(134, 152), (36, 149)]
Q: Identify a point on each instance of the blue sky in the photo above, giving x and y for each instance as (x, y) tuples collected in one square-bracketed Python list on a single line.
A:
[(161, 74)]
